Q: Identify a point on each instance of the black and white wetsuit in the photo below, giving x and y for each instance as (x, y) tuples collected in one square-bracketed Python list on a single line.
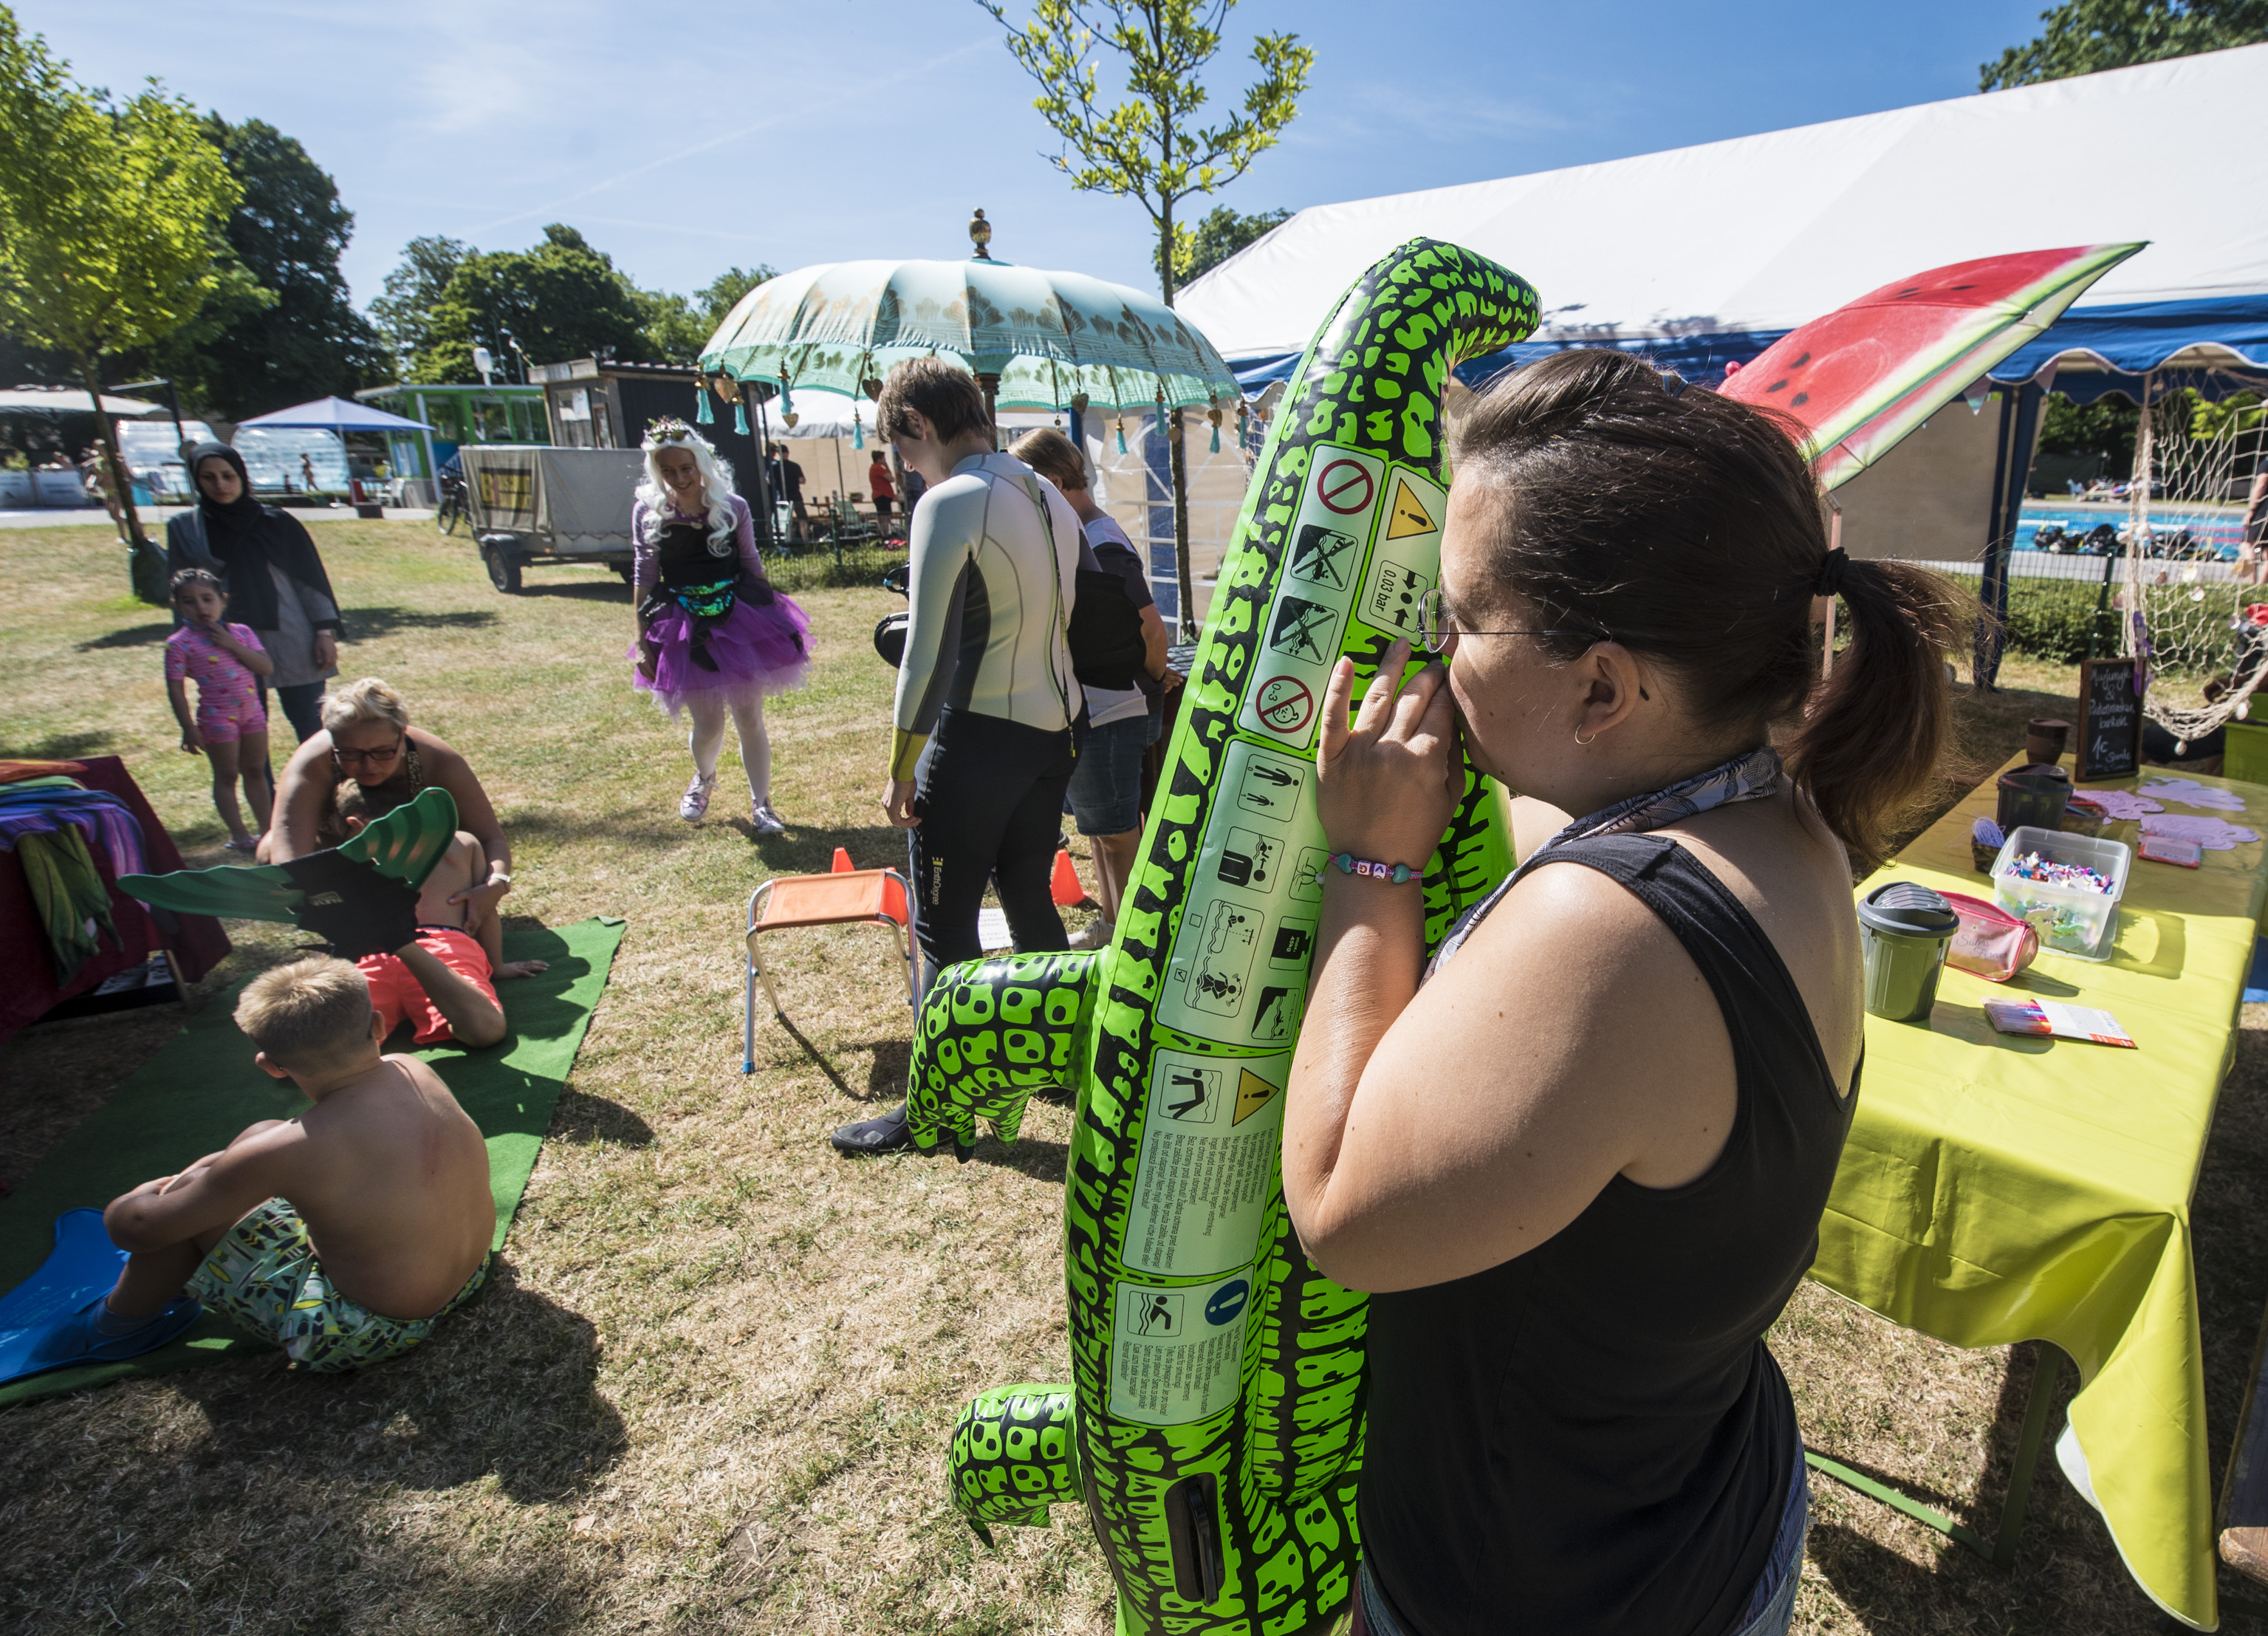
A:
[(985, 701)]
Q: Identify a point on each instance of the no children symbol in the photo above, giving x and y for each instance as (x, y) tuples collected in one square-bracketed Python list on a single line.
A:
[(1344, 487), (1283, 704)]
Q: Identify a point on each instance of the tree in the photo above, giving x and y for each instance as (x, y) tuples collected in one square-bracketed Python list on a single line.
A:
[(2088, 36), (111, 222), (304, 339), (1146, 148), (404, 313), (678, 326), (559, 300), (1221, 234)]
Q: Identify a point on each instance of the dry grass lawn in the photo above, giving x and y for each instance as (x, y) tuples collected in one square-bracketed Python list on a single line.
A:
[(712, 1388)]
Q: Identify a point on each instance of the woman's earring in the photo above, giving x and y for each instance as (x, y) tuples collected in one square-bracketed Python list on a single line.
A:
[(1585, 742)]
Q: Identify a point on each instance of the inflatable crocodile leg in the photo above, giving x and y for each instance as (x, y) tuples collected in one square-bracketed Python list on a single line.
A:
[(1216, 1377), (989, 1034)]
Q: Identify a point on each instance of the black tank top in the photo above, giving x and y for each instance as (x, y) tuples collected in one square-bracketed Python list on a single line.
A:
[(1592, 1439)]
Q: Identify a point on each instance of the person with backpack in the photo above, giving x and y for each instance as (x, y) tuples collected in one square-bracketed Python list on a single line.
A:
[(1119, 722), (982, 749)]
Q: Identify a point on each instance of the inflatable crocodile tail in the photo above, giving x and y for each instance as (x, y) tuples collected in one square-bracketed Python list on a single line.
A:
[(1217, 1378), (357, 894)]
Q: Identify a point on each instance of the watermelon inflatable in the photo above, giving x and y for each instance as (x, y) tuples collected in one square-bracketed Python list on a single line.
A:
[(1867, 373)]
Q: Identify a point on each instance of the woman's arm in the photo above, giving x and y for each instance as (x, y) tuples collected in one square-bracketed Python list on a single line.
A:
[(744, 536), (1154, 642), (1432, 1133), (301, 791), (475, 814)]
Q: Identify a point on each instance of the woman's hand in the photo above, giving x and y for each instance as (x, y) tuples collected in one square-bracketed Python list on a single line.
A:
[(898, 802), (480, 900), (1387, 787), (326, 650)]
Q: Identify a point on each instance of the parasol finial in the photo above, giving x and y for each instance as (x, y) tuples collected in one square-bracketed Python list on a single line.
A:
[(980, 235)]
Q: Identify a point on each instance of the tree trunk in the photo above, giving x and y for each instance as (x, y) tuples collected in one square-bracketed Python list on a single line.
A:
[(145, 564), (1170, 424)]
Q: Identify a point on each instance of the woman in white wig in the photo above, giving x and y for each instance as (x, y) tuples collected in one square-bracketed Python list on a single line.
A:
[(714, 636)]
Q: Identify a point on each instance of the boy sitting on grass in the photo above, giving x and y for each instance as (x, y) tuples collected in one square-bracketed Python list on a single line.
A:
[(344, 1234), (444, 984)]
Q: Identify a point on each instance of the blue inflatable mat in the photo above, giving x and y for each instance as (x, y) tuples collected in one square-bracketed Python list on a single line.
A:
[(84, 1265), (2256, 983)]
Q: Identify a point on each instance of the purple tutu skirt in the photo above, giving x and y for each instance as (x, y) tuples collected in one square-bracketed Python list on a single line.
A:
[(758, 651)]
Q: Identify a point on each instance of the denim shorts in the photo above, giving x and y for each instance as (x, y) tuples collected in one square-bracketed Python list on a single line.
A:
[(1771, 1608), (1106, 785)]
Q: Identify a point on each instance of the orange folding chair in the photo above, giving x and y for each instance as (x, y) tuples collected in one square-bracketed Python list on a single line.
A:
[(845, 898)]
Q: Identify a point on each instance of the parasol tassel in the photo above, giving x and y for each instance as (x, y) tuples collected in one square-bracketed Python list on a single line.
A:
[(703, 415)]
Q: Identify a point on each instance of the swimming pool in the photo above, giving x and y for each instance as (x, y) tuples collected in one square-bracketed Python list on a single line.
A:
[(2219, 527)]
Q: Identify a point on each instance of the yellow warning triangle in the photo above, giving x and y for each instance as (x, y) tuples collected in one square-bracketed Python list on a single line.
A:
[(1252, 1095), (1409, 515)]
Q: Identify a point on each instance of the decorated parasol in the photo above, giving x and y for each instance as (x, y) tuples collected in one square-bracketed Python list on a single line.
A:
[(1861, 377), (1037, 340)]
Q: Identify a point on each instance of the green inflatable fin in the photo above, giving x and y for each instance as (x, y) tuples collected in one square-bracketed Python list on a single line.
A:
[(403, 846)]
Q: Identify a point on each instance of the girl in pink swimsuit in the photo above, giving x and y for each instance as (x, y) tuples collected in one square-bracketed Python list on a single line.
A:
[(230, 728)]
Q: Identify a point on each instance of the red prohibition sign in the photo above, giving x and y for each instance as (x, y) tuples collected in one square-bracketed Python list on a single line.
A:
[(1283, 704), (1343, 480)]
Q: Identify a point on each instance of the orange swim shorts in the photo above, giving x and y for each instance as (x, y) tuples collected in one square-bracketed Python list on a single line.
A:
[(396, 994)]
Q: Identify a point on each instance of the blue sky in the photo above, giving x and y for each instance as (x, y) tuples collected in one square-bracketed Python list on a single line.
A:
[(685, 139)]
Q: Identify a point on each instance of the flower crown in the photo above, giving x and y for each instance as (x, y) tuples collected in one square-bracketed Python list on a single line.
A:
[(669, 429)]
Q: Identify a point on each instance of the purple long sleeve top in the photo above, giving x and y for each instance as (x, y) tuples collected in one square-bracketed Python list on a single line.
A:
[(643, 572)]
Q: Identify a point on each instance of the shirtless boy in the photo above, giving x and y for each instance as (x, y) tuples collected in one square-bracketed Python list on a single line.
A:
[(444, 984), (344, 1234)]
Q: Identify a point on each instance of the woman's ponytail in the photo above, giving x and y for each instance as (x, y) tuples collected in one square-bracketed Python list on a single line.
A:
[(1869, 745)]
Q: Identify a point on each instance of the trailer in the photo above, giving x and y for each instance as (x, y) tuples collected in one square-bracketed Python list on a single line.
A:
[(533, 506)]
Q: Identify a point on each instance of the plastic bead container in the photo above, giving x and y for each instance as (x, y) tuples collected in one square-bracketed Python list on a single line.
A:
[(2071, 920)]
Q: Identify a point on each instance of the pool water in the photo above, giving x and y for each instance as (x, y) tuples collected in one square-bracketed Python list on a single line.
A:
[(2219, 527)]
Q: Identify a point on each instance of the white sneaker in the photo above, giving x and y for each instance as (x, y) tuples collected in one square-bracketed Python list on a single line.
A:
[(1094, 934), (695, 803), (767, 821)]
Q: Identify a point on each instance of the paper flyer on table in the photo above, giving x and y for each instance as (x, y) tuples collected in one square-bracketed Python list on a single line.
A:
[(2043, 1017)]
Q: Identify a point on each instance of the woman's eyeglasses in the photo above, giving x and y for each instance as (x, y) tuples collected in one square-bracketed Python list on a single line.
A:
[(375, 758), (1436, 627)]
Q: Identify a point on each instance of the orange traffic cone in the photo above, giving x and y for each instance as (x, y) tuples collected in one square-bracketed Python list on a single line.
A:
[(1065, 887), (842, 864)]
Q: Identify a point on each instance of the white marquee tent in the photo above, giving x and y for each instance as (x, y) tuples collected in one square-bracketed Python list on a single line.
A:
[(1703, 255)]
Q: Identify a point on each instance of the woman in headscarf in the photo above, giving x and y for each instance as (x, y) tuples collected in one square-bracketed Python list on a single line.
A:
[(275, 581)]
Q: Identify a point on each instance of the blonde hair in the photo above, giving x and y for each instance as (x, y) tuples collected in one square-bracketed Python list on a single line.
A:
[(307, 1014), (367, 700), (1053, 456)]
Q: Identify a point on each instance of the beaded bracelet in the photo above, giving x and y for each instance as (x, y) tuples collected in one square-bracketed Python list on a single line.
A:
[(1350, 865)]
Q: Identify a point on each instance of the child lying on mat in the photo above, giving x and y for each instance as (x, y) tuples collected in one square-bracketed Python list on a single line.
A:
[(459, 1003), (344, 1235)]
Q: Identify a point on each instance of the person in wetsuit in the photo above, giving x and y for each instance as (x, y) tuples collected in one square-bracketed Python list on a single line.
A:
[(714, 636), (1579, 1161), (981, 751)]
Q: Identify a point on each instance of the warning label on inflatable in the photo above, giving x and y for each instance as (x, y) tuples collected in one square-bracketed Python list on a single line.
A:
[(1178, 1355), (1237, 974), (1208, 1163), (1306, 626)]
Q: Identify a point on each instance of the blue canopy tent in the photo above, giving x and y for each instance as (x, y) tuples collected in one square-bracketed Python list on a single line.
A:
[(343, 415)]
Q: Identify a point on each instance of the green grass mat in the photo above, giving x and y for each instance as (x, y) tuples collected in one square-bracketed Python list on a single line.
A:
[(201, 1088)]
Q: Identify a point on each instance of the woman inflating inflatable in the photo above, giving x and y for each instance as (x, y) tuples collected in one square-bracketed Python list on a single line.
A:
[(1582, 1152)]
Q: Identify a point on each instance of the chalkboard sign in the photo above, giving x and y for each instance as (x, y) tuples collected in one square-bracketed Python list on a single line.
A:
[(2109, 721)]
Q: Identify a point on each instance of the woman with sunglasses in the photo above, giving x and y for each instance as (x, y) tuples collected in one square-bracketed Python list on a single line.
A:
[(366, 738), (1580, 1158)]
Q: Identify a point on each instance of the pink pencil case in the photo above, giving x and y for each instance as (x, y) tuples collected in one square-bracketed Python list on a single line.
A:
[(1991, 942)]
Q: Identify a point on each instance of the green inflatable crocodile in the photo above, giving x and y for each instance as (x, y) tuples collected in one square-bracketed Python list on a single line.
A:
[(1213, 1425)]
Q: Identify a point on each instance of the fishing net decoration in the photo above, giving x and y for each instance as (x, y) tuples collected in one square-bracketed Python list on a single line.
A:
[(2182, 597)]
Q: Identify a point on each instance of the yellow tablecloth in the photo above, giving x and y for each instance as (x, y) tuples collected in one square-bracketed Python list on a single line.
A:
[(1999, 1188)]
